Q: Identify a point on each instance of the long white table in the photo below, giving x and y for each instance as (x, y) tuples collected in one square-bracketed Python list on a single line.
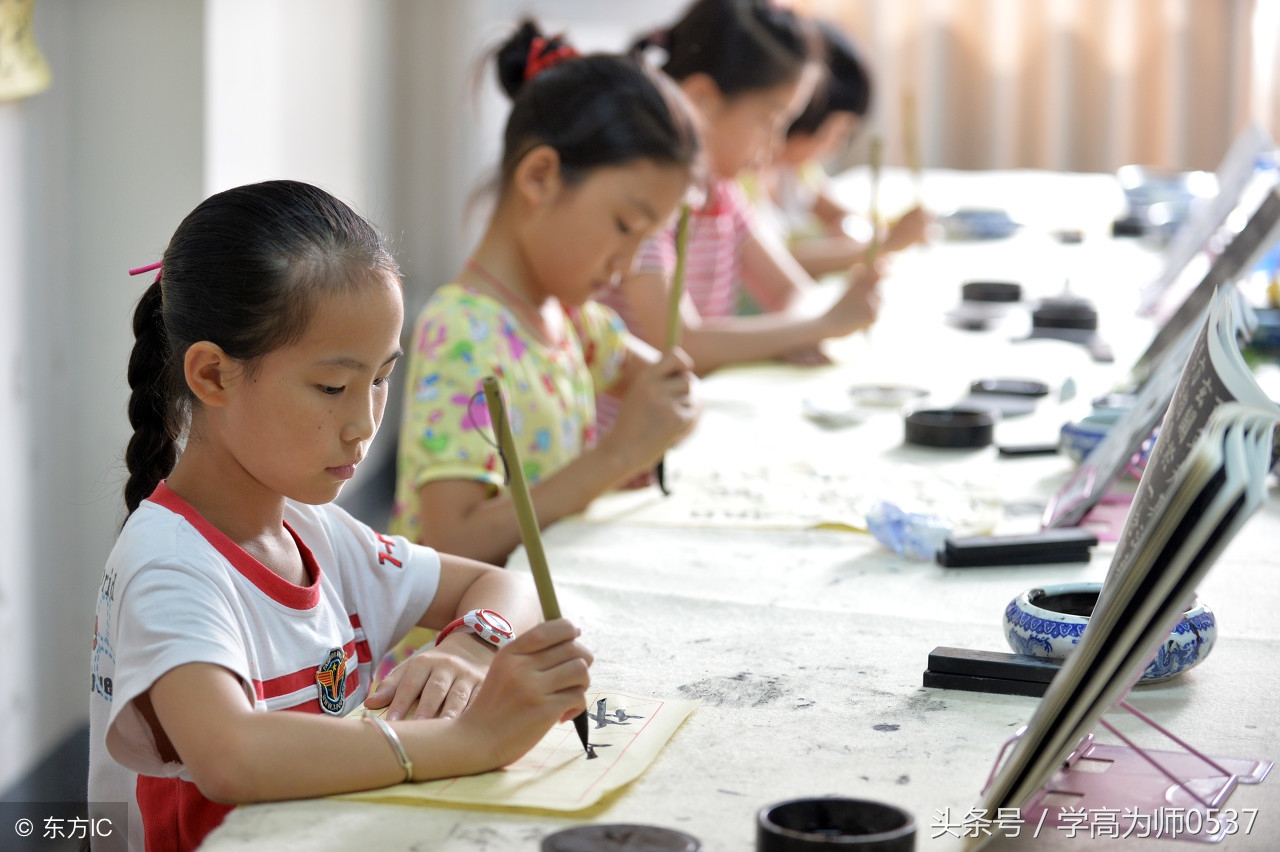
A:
[(807, 646)]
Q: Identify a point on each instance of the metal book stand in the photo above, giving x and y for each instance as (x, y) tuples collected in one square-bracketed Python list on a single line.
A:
[(1126, 791)]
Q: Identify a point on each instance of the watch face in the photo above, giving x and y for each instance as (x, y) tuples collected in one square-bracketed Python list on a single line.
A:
[(494, 621)]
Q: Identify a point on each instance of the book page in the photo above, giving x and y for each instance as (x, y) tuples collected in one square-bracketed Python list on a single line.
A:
[(626, 732), (1241, 255), (1233, 174), (1215, 374), (1103, 466)]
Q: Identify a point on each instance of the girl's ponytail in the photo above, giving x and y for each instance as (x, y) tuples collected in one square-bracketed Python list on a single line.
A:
[(512, 58), (595, 111), (152, 450), (743, 45)]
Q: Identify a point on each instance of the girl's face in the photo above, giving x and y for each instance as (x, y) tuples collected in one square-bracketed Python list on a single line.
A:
[(304, 417), (832, 137), (743, 131), (585, 237)]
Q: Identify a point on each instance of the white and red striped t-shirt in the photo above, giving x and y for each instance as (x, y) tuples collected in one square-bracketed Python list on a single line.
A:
[(177, 591)]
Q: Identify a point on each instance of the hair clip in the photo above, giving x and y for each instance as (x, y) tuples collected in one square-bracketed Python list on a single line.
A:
[(698, 195), (150, 266), (659, 38), (540, 58)]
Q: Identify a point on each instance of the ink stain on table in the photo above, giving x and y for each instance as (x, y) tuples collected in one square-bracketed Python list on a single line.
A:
[(743, 689), (925, 703), (903, 779), (885, 726)]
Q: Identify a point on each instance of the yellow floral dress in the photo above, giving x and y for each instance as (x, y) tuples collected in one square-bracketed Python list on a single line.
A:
[(461, 336)]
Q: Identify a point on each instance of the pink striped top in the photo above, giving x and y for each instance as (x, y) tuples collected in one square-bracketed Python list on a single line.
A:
[(713, 277), (712, 260)]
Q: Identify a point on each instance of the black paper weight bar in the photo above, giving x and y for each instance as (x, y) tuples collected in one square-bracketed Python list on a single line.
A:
[(989, 671), (1001, 664), (1067, 544), (994, 685)]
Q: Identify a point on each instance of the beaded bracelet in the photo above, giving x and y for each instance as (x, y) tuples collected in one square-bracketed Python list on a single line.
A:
[(402, 757)]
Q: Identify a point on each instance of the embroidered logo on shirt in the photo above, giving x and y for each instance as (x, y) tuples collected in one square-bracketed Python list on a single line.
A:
[(331, 682)]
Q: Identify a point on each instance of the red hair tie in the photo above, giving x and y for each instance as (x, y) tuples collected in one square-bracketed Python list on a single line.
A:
[(540, 59)]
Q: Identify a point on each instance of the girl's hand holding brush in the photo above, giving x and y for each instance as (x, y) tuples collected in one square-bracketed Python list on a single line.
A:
[(659, 408)]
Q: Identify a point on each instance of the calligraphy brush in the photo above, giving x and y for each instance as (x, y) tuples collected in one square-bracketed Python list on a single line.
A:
[(528, 521), (911, 141), (873, 210), (673, 312)]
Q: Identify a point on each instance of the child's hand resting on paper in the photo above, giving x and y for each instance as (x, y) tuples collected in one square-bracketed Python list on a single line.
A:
[(439, 681), (538, 679)]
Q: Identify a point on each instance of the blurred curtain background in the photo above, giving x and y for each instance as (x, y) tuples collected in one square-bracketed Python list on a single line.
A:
[(1077, 85)]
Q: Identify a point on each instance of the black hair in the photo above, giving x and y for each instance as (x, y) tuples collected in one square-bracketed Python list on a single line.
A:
[(845, 87), (743, 45), (597, 110), (244, 270)]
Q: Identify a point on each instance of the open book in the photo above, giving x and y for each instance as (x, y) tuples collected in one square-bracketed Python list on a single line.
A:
[(1233, 174), (1206, 475), (1157, 370)]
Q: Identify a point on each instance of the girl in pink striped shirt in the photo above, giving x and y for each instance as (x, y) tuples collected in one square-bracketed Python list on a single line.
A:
[(747, 68)]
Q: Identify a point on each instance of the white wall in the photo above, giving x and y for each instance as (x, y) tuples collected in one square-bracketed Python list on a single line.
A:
[(105, 161), (298, 89), (16, 578)]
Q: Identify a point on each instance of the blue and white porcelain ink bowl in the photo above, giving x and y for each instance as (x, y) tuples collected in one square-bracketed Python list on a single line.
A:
[(1047, 622)]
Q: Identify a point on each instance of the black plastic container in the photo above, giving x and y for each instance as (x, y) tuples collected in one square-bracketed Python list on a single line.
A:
[(822, 825)]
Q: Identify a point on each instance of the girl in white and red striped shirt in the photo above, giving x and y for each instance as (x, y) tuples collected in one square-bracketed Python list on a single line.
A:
[(747, 68), (241, 613)]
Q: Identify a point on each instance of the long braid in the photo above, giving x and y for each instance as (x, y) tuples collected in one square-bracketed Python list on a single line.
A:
[(152, 450)]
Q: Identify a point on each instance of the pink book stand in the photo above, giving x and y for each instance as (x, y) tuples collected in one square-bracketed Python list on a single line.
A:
[(1122, 791)]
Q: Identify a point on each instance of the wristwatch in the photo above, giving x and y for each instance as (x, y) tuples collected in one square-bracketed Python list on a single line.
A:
[(489, 627)]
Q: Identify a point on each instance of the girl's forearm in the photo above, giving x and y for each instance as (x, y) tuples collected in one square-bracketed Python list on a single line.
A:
[(237, 756), (721, 341), (489, 531), (275, 751), (823, 255), (509, 595)]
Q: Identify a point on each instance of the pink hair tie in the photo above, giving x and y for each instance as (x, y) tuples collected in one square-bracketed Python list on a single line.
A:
[(540, 58), (150, 266)]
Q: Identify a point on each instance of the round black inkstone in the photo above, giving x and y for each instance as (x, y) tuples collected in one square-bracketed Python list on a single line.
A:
[(620, 838), (950, 427), (817, 825), (991, 291), (1013, 387), (1065, 313)]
